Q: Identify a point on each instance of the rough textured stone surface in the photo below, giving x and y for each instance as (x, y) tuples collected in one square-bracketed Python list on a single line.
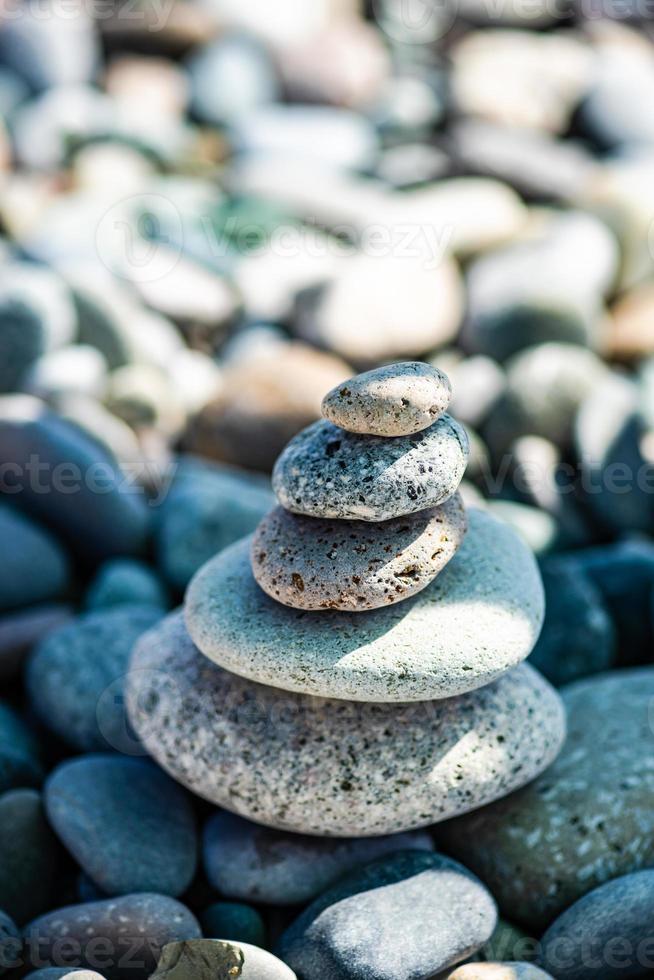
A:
[(308, 563), (498, 971), (408, 915), (135, 928), (28, 858), (245, 860), (130, 827), (75, 678), (34, 566), (607, 933), (327, 472), (313, 766), (212, 959), (585, 821), (479, 617), (396, 400)]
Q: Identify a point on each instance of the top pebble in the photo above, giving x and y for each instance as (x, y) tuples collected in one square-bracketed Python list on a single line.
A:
[(396, 400)]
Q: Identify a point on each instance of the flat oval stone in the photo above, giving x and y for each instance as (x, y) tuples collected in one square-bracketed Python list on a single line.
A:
[(409, 915), (587, 820), (498, 971), (34, 566), (607, 933), (308, 563), (29, 861), (327, 472), (130, 827), (395, 400), (245, 860), (335, 768), (476, 619)]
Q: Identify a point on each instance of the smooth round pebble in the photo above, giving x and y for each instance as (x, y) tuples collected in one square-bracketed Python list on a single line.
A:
[(396, 400), (608, 933), (213, 959), (312, 766), (245, 860), (307, 563), (498, 971), (61, 972), (34, 566), (125, 581), (408, 915), (75, 678), (234, 921), (476, 619), (22, 341), (327, 472), (129, 827), (29, 857), (586, 820), (123, 936)]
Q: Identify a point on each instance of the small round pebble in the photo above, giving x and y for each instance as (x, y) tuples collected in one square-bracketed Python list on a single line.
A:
[(258, 864), (307, 563), (234, 921), (498, 971), (396, 400), (130, 827), (29, 861), (34, 566), (122, 937), (476, 619), (123, 581), (313, 765), (408, 915), (327, 472), (75, 678), (607, 933)]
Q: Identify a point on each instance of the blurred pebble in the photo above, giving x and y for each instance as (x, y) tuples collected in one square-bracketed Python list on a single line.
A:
[(142, 396), (75, 678), (105, 514), (498, 971), (20, 631), (477, 384), (29, 862), (411, 164), (265, 400), (578, 636), (124, 581), (538, 529), (586, 820), (21, 341), (127, 824), (194, 378), (231, 76), (387, 307), (60, 972), (258, 864), (35, 567), (631, 326), (75, 369), (160, 85), (614, 109), (234, 921), (138, 925), (20, 762), (42, 127), (10, 943), (377, 918), (206, 508)]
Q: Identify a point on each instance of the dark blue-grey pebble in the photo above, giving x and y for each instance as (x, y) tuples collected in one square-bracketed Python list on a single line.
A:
[(10, 943), (34, 566), (121, 938), (128, 825), (235, 921), (75, 678), (20, 762), (404, 917), (78, 489), (607, 934), (578, 636), (29, 855), (22, 341), (125, 581)]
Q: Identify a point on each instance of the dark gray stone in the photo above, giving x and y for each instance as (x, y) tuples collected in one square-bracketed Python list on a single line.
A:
[(22, 341), (406, 916), (34, 567), (128, 825), (75, 678), (22, 630), (234, 921), (122, 581), (20, 763), (28, 856)]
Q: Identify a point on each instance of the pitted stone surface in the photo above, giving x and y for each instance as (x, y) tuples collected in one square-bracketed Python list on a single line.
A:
[(476, 619), (395, 400), (335, 768), (327, 472), (308, 563)]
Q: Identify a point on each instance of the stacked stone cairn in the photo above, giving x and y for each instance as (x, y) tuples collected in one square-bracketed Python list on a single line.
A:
[(355, 668)]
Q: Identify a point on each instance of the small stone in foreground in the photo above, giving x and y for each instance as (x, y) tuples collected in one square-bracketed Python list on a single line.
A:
[(396, 400)]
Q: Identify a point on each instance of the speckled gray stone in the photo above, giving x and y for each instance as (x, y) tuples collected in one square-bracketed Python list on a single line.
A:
[(476, 619), (395, 400), (335, 768), (587, 820), (497, 971), (404, 917), (245, 860), (607, 933), (120, 937), (309, 563), (327, 472)]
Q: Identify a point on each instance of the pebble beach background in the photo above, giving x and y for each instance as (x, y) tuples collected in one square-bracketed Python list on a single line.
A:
[(406, 730)]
